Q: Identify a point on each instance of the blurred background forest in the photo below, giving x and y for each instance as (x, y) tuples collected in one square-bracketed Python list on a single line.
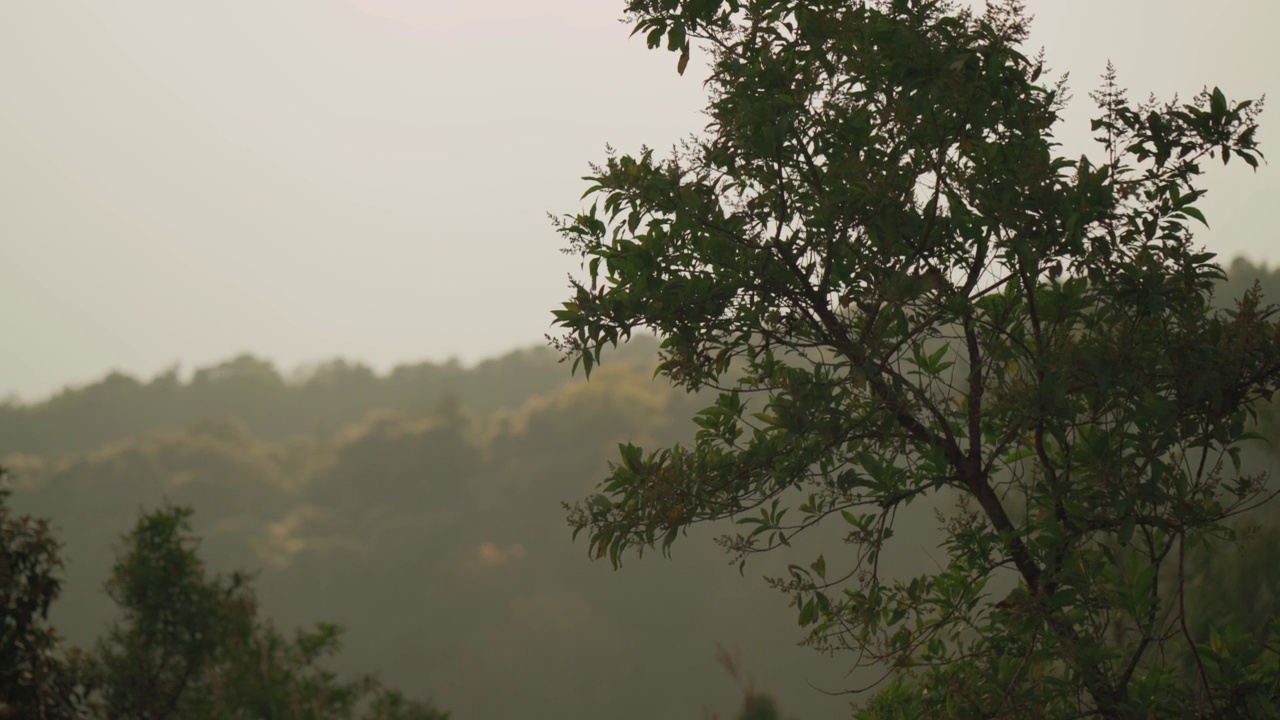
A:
[(421, 510)]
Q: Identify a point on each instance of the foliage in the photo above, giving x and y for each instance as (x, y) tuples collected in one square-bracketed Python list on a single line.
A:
[(36, 680), (902, 294), (175, 621), (191, 646), (187, 645), (1232, 585)]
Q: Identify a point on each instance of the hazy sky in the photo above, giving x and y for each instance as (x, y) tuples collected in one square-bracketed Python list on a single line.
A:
[(302, 179)]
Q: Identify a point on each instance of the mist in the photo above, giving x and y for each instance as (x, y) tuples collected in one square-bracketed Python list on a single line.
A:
[(289, 263)]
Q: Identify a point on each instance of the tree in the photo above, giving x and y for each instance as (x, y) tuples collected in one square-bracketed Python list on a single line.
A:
[(176, 621), (899, 292), (37, 680), (190, 645)]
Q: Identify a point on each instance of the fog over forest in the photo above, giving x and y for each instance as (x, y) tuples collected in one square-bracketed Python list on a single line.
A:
[(281, 435), (421, 510)]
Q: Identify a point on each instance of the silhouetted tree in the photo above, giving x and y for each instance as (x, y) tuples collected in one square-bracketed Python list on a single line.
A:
[(37, 681), (900, 293), (191, 646)]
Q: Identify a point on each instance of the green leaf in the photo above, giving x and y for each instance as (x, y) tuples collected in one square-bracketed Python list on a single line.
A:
[(808, 612), (676, 38), (1218, 103), (654, 39), (819, 567), (630, 456), (1195, 213)]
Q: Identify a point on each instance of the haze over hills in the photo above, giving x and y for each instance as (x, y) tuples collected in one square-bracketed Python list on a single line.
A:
[(421, 509)]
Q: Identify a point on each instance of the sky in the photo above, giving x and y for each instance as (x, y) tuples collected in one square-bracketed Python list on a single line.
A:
[(307, 179)]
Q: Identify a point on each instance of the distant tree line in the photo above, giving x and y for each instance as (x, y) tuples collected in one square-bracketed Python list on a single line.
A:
[(273, 405)]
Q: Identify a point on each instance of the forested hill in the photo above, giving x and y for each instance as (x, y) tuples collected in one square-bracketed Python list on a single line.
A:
[(422, 511), (272, 404), (440, 544)]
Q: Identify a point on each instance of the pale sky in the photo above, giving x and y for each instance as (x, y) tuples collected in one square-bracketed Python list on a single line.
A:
[(306, 179)]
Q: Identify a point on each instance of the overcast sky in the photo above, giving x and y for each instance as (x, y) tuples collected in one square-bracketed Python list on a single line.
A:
[(305, 179)]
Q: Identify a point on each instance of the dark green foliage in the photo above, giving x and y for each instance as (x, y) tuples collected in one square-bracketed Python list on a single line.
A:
[(176, 622), (37, 682), (191, 646), (902, 294), (187, 645)]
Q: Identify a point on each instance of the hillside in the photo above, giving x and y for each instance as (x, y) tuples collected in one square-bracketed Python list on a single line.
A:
[(422, 510)]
